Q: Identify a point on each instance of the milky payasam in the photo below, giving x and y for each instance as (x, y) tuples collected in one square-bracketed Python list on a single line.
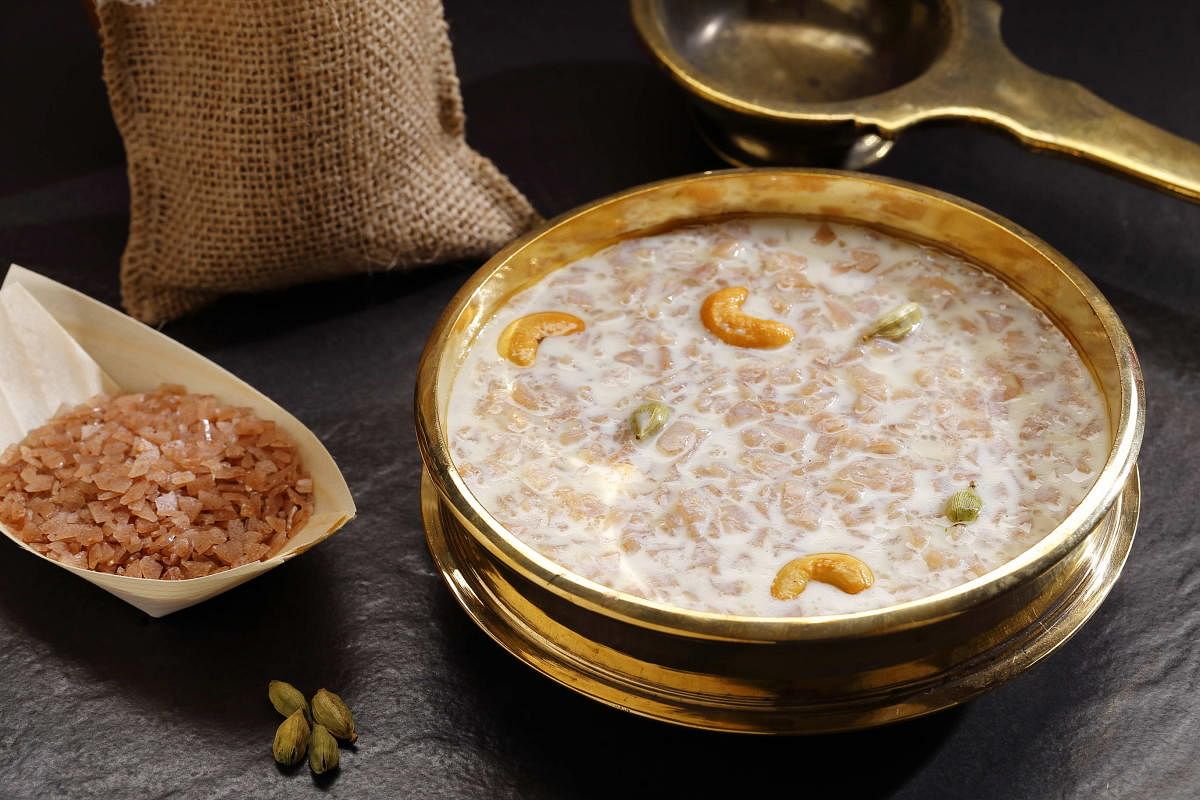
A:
[(775, 417)]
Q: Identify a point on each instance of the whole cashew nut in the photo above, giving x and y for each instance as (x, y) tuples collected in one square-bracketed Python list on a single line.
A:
[(519, 341), (722, 315), (837, 569)]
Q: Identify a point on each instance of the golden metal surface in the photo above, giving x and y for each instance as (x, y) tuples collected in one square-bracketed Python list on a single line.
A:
[(786, 674), (702, 688), (835, 81)]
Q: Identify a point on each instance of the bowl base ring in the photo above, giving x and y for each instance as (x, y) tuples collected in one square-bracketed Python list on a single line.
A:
[(542, 648)]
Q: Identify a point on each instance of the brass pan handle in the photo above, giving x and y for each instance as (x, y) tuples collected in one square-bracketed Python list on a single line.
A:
[(1053, 114), (980, 80)]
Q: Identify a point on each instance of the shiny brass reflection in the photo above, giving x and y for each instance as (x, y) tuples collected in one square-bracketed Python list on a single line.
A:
[(801, 674), (829, 82)]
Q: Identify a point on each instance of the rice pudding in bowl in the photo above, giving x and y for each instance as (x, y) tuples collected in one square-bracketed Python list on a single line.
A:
[(828, 439), (696, 610)]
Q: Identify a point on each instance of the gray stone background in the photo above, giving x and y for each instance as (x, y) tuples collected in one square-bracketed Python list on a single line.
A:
[(97, 700)]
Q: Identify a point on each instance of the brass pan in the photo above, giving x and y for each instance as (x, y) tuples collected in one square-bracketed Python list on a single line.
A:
[(834, 82)]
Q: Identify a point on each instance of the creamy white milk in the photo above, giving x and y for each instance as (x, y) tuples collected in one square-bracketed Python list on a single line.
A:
[(824, 445)]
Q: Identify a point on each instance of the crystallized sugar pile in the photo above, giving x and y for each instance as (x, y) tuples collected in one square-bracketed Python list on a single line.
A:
[(159, 485)]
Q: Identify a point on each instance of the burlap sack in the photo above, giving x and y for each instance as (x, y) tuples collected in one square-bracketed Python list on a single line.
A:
[(272, 142)]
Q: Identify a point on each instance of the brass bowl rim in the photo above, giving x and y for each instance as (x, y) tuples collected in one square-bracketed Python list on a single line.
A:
[(1079, 522), (882, 109)]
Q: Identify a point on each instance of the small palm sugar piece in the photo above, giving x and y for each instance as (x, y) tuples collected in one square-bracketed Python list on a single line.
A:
[(163, 485)]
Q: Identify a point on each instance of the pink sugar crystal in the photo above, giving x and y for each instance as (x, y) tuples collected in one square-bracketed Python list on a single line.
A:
[(112, 482), (166, 503), (150, 567), (40, 483), (100, 512), (161, 485)]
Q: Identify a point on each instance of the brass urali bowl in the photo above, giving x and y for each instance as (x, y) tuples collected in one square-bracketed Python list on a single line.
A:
[(804, 674)]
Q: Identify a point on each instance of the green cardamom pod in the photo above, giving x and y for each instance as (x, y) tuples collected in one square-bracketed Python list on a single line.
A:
[(329, 710), (286, 698), (964, 506), (648, 419), (897, 323), (323, 752), (291, 740)]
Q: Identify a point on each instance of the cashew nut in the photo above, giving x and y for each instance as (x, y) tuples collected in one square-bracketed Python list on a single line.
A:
[(837, 569), (519, 341), (722, 315)]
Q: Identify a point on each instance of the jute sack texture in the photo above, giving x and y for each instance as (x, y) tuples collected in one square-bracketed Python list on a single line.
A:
[(272, 142)]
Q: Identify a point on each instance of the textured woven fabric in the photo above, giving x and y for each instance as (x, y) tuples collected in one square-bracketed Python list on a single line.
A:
[(272, 142)]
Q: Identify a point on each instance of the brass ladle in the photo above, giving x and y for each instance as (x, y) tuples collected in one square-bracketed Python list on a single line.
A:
[(833, 82)]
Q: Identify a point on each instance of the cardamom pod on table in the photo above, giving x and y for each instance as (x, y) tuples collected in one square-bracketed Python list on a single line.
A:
[(322, 751), (286, 698), (291, 740), (329, 710)]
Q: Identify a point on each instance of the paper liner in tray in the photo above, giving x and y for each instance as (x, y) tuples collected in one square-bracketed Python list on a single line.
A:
[(59, 347)]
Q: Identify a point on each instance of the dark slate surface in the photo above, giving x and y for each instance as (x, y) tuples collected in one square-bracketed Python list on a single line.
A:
[(96, 700)]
